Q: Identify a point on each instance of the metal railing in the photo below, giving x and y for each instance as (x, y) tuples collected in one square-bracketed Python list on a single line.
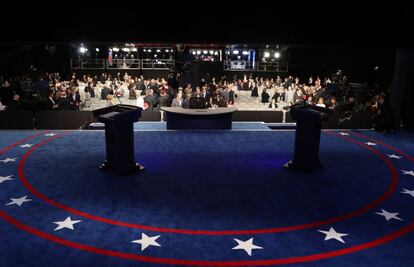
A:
[(157, 64), (124, 64), (87, 64), (239, 65), (273, 66)]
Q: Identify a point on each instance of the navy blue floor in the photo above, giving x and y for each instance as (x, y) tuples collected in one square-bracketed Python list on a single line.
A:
[(204, 198)]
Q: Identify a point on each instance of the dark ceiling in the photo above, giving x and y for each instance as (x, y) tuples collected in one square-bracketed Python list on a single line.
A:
[(335, 23)]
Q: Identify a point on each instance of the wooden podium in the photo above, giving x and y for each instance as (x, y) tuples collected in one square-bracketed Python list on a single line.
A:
[(307, 137), (119, 138)]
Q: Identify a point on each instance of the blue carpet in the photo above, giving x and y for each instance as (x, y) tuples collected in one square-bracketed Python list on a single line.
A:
[(201, 191)]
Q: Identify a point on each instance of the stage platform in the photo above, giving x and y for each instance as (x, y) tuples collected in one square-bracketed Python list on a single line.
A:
[(206, 198)]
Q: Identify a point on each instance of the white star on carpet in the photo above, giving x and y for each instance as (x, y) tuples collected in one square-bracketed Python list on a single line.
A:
[(50, 134), (343, 133), (389, 215), (26, 145), (8, 160), (408, 172), (408, 192), (18, 201), (5, 178), (67, 223), (247, 246), (332, 234), (371, 144), (147, 241), (393, 156)]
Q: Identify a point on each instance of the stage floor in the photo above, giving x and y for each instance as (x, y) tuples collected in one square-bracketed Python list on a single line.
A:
[(206, 198)]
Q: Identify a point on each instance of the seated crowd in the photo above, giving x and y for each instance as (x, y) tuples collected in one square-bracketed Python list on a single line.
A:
[(275, 93)]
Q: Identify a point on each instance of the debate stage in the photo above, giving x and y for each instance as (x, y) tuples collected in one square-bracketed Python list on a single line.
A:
[(206, 198)]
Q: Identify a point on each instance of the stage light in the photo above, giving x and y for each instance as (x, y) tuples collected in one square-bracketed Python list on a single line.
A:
[(227, 52), (216, 53), (145, 50), (376, 68), (97, 49), (266, 54), (235, 52), (238, 57), (167, 50), (211, 52), (205, 52), (198, 52), (149, 50), (82, 50), (125, 49), (194, 52), (158, 50), (245, 52), (277, 55), (155, 55), (115, 49), (134, 49)]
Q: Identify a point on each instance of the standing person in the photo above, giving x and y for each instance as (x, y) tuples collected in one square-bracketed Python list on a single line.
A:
[(265, 97), (74, 98), (255, 91)]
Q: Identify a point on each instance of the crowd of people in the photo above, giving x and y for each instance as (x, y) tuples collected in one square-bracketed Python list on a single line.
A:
[(274, 93)]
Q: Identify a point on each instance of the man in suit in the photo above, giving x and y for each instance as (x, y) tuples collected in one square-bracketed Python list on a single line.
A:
[(150, 100), (105, 92), (178, 101), (89, 89), (63, 102), (74, 98), (51, 104), (164, 99), (15, 104)]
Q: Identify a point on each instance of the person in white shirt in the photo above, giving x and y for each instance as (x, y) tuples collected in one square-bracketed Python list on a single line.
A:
[(140, 100), (320, 102)]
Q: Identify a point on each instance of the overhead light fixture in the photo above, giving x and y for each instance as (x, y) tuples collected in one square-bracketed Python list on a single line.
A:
[(216, 53), (266, 54), (245, 52), (125, 49), (167, 50), (194, 52), (198, 52), (115, 49), (235, 52), (277, 55), (97, 49), (211, 52), (149, 50), (83, 50), (158, 50), (205, 52), (134, 49)]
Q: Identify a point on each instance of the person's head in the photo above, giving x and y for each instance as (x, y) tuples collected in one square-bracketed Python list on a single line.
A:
[(333, 100), (179, 96), (197, 89), (310, 99), (381, 99), (16, 97), (320, 100)]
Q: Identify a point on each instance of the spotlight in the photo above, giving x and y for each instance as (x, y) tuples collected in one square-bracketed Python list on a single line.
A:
[(97, 49), (149, 50), (216, 53), (194, 52), (145, 50), (205, 52), (235, 52), (198, 52), (83, 50), (277, 55), (376, 68), (211, 52), (115, 49), (155, 55), (266, 54), (134, 49), (158, 50), (238, 57), (245, 52), (125, 49), (167, 50)]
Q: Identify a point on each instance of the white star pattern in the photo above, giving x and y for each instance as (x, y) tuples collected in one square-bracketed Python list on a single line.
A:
[(332, 234), (50, 134), (389, 215), (393, 156), (8, 160), (343, 133), (18, 201), (408, 192), (147, 241), (5, 178), (26, 145), (247, 246), (67, 223), (371, 144), (408, 172)]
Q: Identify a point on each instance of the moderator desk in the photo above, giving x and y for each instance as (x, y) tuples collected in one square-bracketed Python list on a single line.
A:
[(198, 119)]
